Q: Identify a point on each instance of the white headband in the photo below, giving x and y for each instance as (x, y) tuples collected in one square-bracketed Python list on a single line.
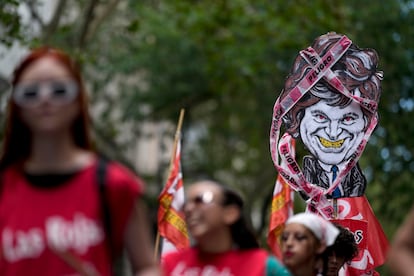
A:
[(324, 230)]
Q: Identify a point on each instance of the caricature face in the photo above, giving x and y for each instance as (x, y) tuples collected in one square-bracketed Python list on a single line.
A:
[(332, 133)]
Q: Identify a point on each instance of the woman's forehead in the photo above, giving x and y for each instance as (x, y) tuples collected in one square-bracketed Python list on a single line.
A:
[(44, 68), (203, 186)]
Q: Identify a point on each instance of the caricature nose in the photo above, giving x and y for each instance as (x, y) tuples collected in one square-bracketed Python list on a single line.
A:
[(333, 130)]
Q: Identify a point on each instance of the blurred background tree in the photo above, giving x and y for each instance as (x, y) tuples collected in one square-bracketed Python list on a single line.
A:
[(225, 62)]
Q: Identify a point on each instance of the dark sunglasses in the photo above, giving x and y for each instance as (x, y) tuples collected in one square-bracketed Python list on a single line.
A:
[(58, 92)]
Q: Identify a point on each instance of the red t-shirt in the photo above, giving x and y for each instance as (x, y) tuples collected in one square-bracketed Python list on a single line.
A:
[(37, 222), (232, 263)]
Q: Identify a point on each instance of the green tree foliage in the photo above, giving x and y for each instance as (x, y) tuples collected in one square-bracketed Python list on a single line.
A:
[(225, 62), (10, 27), (389, 158)]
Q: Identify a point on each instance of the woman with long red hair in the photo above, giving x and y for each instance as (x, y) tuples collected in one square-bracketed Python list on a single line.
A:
[(63, 210)]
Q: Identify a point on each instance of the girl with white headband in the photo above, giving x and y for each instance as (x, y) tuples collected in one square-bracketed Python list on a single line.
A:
[(304, 238)]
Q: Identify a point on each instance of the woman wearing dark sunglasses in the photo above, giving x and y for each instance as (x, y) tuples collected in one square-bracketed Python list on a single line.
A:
[(51, 216), (223, 242)]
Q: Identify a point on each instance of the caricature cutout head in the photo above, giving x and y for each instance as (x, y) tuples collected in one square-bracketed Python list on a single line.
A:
[(329, 102)]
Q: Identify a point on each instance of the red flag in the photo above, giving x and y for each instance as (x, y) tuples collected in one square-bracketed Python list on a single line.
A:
[(171, 223), (355, 213), (281, 210)]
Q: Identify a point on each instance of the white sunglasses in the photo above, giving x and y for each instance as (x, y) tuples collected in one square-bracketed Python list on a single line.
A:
[(58, 92)]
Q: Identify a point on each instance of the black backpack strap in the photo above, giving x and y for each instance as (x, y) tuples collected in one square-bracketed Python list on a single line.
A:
[(100, 176)]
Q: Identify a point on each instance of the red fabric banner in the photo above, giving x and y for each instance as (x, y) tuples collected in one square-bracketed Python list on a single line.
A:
[(171, 222), (355, 213), (281, 209)]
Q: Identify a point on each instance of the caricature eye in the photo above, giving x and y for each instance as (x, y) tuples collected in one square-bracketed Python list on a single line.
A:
[(320, 117), (348, 120)]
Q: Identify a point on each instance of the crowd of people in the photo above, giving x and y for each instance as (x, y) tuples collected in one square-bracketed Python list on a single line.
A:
[(224, 244), (66, 210)]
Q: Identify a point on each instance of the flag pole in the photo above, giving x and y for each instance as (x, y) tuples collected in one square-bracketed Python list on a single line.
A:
[(177, 137)]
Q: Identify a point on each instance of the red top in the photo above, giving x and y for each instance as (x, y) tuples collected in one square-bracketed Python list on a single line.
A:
[(38, 222), (236, 262)]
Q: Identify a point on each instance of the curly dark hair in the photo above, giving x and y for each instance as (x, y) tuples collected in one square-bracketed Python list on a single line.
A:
[(345, 246)]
